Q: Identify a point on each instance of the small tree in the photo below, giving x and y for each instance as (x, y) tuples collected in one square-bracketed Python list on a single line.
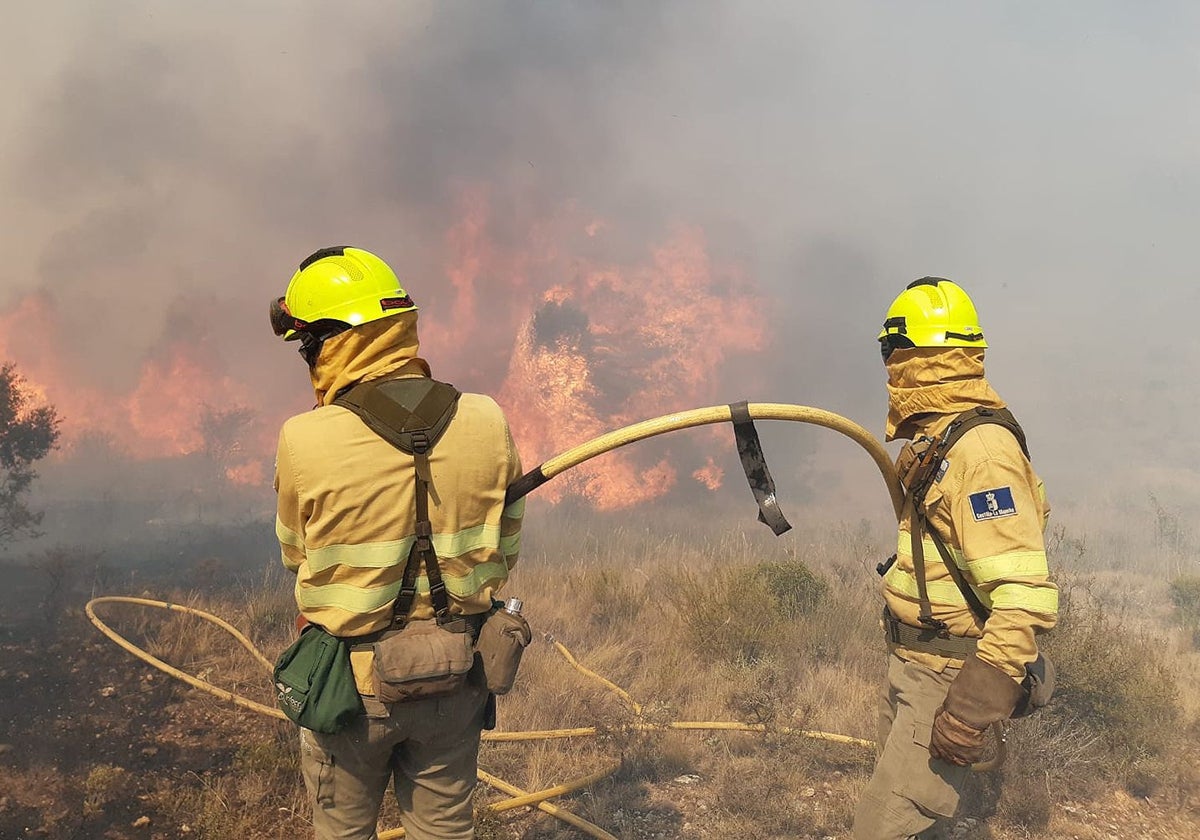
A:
[(27, 434)]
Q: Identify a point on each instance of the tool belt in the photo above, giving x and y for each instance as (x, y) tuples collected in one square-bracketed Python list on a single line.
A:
[(926, 639), (459, 624)]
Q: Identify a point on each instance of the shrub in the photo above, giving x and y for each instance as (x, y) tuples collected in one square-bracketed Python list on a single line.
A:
[(104, 785), (726, 613), (794, 589), (1115, 687)]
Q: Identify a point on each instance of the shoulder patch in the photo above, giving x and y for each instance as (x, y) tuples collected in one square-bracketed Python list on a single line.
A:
[(993, 504)]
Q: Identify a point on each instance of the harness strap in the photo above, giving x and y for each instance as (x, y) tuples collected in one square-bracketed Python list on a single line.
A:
[(981, 612), (918, 556), (755, 466), (929, 462), (411, 413), (423, 547)]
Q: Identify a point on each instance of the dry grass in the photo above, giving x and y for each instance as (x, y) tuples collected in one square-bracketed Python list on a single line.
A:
[(709, 623)]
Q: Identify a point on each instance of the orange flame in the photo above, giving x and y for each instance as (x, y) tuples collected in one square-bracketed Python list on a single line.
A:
[(622, 344), (710, 475), (160, 417), (580, 344)]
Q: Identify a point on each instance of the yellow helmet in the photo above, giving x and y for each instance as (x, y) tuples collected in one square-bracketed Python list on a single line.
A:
[(333, 290), (931, 312)]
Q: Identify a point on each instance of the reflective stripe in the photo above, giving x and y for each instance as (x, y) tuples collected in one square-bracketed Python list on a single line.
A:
[(511, 544), (1020, 596), (904, 547), (516, 510), (942, 591), (350, 598), (287, 536), (1008, 565), (357, 599), (380, 555)]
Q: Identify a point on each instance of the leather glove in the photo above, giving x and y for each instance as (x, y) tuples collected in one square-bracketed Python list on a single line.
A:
[(979, 696)]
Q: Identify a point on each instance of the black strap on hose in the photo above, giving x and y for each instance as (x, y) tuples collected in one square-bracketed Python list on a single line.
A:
[(755, 465)]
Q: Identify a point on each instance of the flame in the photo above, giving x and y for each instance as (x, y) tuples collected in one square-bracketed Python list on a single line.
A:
[(250, 473), (621, 344), (574, 334), (159, 417), (710, 475)]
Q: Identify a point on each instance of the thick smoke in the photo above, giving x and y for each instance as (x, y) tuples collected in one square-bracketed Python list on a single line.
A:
[(167, 162)]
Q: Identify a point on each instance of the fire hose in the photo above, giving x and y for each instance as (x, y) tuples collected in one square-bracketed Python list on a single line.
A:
[(741, 415)]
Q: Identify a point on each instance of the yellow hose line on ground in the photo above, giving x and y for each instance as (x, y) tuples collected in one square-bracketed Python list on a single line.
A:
[(613, 687), (540, 734), (522, 799), (733, 726), (236, 699), (721, 414), (525, 798)]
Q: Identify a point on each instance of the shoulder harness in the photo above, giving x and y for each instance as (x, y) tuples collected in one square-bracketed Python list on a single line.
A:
[(931, 453), (411, 413)]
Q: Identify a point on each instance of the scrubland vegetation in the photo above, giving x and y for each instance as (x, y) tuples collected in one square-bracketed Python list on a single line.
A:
[(698, 622)]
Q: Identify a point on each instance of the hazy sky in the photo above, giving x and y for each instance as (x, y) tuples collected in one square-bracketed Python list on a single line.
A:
[(166, 164)]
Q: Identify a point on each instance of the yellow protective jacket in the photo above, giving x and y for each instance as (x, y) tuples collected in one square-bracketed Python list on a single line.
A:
[(346, 497), (988, 506)]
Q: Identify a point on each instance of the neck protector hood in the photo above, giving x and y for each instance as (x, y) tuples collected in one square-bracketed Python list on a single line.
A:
[(387, 347), (934, 381)]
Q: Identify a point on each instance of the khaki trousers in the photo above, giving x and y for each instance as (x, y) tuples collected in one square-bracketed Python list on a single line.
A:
[(428, 748), (909, 791)]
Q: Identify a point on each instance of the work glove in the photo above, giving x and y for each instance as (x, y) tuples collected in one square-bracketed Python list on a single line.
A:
[(979, 696)]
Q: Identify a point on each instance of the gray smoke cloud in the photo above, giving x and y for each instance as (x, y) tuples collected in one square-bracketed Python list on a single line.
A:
[(1043, 155)]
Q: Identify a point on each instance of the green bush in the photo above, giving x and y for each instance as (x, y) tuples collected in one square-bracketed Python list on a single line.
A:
[(725, 613), (794, 589), (105, 785), (742, 614), (1116, 685)]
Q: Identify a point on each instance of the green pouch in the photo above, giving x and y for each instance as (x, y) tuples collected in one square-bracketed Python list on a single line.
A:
[(314, 683)]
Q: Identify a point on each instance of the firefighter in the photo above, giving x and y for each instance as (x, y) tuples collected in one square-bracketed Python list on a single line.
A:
[(959, 645), (346, 519)]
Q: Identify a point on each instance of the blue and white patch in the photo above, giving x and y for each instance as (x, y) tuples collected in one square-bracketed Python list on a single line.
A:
[(993, 504)]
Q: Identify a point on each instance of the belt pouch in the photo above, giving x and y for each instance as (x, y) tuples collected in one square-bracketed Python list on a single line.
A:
[(502, 640), (420, 660), (314, 683)]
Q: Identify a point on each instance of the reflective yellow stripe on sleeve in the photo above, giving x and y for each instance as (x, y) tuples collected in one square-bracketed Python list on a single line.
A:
[(510, 545), (1021, 596), (287, 536), (1008, 565)]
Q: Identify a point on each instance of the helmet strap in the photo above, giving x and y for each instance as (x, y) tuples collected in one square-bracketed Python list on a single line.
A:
[(313, 338)]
